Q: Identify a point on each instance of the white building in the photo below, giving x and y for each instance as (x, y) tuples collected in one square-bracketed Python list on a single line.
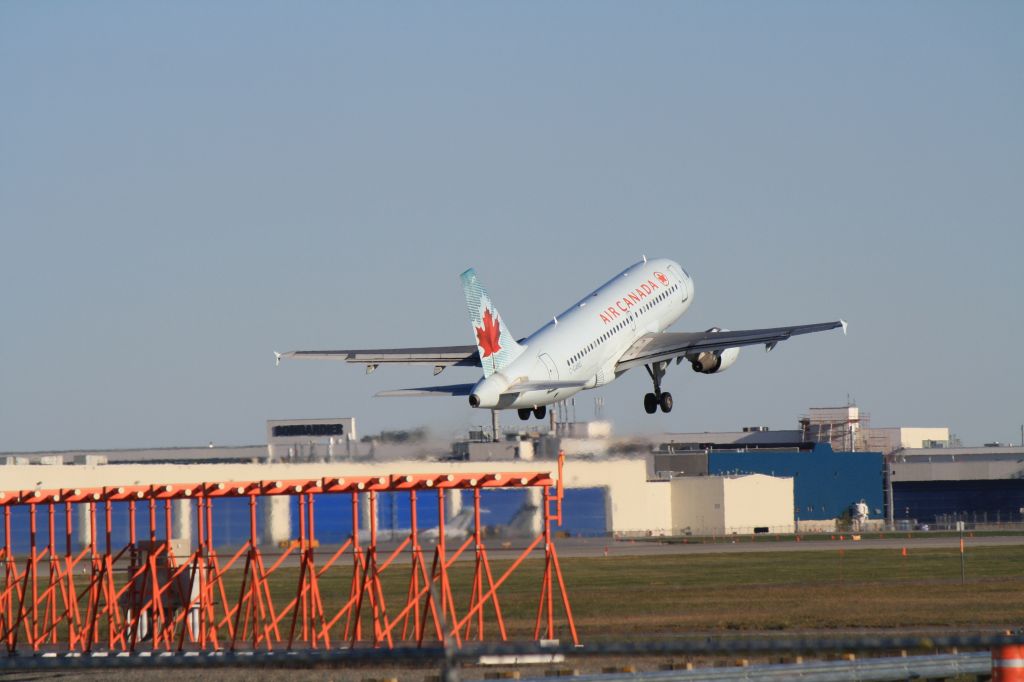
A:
[(723, 505)]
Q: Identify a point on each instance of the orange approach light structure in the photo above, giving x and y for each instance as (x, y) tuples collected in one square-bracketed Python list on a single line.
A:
[(142, 596)]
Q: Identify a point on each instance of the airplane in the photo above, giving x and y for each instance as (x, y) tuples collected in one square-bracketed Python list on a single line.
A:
[(525, 521), (614, 328), (456, 528)]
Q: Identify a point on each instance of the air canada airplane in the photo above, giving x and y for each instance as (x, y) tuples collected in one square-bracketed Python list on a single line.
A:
[(618, 326)]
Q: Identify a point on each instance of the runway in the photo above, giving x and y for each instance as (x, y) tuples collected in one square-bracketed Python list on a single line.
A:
[(594, 547)]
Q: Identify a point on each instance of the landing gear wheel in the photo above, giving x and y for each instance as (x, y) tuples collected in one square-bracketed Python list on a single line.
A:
[(653, 400), (540, 412), (524, 413)]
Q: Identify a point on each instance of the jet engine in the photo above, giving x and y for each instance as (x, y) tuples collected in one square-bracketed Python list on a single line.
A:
[(713, 362)]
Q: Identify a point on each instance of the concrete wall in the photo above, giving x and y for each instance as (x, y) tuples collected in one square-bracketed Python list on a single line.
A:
[(591, 429), (962, 469), (888, 439), (697, 505), (758, 501), (489, 451), (548, 446), (634, 503), (911, 437), (706, 505)]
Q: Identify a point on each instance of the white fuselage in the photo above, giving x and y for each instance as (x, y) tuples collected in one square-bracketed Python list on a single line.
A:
[(585, 342)]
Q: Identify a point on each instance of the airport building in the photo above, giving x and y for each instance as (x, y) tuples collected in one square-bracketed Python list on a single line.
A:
[(829, 457), (912, 477), (608, 494), (939, 486), (825, 482), (677, 483), (732, 504)]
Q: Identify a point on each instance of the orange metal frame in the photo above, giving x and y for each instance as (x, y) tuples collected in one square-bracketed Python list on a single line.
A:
[(142, 597)]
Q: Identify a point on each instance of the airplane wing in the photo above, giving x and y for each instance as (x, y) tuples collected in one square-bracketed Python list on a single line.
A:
[(438, 356), (670, 345), (449, 390)]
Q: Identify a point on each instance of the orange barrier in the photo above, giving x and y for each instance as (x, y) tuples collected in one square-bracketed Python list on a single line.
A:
[(1008, 663), (141, 596)]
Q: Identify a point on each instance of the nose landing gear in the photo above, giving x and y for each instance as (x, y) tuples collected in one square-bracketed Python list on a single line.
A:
[(652, 401)]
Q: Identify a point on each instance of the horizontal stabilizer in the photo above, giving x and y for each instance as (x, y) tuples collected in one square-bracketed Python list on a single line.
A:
[(542, 386), (439, 356), (450, 390)]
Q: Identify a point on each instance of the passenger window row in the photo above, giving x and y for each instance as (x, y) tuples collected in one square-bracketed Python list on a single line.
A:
[(579, 355)]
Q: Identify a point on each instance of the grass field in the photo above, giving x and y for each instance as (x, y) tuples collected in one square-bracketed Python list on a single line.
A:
[(672, 595), (633, 597), (788, 591)]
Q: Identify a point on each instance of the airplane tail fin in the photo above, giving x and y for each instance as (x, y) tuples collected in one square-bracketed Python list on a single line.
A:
[(463, 520), (525, 521), (495, 343)]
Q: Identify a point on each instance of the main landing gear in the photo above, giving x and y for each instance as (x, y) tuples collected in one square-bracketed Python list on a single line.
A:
[(652, 401), (538, 412)]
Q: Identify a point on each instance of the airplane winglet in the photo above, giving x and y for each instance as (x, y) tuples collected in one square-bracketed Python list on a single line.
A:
[(845, 325)]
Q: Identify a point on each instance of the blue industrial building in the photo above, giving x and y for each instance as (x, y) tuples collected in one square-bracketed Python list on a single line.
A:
[(945, 502), (825, 482)]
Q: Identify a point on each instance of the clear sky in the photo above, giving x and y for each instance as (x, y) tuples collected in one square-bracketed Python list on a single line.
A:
[(187, 186)]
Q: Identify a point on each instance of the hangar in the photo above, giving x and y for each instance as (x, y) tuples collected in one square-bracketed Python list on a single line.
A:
[(940, 486)]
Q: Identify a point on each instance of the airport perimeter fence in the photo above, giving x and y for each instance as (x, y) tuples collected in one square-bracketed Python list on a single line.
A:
[(979, 521)]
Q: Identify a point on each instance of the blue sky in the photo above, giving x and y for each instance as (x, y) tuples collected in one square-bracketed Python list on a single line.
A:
[(186, 187)]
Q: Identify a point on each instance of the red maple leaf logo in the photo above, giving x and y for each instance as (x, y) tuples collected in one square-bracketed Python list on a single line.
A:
[(487, 336), (661, 277)]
